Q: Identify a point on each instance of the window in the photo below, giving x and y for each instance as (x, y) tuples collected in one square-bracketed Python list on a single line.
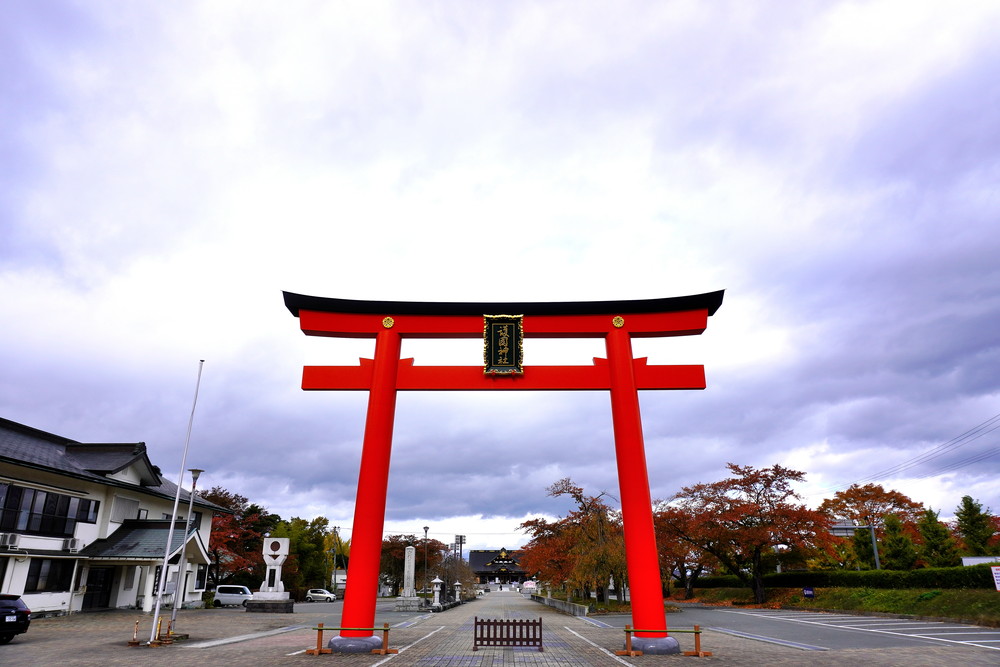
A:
[(129, 577), (200, 577), (42, 512), (49, 575), (124, 508)]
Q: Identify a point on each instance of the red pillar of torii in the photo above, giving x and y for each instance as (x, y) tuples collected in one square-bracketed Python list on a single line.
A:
[(388, 322)]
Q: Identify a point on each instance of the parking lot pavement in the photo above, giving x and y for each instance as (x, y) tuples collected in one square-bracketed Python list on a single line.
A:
[(234, 637)]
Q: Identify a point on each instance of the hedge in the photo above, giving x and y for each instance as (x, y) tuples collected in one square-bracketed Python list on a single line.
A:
[(975, 576)]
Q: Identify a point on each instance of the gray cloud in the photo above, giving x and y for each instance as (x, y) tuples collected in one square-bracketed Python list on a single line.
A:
[(167, 171)]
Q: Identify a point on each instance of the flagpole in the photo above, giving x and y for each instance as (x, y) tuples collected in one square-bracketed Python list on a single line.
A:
[(173, 515)]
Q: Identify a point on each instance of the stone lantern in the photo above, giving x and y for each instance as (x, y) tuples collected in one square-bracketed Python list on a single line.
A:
[(437, 591), (458, 591)]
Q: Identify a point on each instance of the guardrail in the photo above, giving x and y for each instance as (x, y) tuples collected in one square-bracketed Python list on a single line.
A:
[(697, 652), (320, 629), (507, 633), (562, 605)]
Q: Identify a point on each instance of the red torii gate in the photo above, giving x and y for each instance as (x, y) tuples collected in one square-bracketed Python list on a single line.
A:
[(388, 322)]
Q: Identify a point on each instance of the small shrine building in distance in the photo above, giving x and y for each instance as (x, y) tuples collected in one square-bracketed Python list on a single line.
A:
[(496, 566)]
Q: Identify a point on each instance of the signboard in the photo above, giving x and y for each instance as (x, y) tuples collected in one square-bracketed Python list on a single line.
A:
[(503, 344), (808, 593), (996, 576)]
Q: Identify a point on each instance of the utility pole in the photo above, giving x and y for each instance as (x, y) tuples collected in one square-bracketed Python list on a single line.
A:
[(336, 552), (426, 528)]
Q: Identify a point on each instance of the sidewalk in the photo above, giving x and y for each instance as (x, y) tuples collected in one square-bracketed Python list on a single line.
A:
[(233, 637)]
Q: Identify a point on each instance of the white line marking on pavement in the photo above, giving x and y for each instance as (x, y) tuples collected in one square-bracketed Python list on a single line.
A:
[(600, 624), (242, 638), (411, 622), (850, 628), (390, 657), (610, 654), (770, 640)]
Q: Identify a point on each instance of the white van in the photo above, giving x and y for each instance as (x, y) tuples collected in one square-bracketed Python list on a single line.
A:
[(227, 594)]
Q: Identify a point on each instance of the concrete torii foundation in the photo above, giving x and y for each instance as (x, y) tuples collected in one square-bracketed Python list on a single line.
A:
[(617, 322)]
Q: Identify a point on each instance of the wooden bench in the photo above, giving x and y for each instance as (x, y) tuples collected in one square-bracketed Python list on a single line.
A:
[(319, 650), (697, 642), (507, 633)]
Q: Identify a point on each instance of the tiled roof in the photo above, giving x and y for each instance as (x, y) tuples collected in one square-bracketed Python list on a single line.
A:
[(481, 560), (137, 540), (26, 446)]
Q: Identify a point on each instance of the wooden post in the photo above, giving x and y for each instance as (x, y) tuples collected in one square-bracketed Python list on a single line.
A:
[(697, 652), (319, 650)]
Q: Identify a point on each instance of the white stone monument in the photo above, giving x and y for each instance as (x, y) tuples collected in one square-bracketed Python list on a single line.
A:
[(408, 601), (275, 553)]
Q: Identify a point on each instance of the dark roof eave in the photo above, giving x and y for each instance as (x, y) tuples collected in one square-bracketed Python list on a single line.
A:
[(709, 301), (97, 479)]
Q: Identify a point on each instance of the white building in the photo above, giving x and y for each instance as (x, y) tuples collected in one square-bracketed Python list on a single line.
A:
[(84, 526)]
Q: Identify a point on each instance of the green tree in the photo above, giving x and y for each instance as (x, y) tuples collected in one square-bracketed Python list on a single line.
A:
[(864, 550), (339, 555), (307, 563), (939, 548), (898, 550), (975, 525)]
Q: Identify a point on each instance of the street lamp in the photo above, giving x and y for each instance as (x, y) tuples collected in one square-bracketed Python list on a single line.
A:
[(182, 572), (426, 528), (173, 516)]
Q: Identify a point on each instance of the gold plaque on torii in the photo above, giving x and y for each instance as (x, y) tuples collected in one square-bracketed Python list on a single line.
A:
[(503, 344)]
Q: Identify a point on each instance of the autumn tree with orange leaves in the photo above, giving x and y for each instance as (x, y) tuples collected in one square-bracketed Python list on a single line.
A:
[(868, 505), (741, 519), (237, 538), (585, 548), (679, 559)]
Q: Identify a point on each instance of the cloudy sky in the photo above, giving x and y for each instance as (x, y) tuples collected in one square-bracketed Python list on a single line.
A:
[(167, 169)]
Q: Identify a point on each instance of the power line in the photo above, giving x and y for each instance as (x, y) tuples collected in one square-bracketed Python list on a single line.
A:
[(973, 434), (969, 436)]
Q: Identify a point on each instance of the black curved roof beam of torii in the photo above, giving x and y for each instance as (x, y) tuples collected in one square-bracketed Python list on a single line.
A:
[(673, 316)]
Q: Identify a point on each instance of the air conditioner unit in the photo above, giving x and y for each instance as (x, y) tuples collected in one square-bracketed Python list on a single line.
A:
[(71, 544), (9, 539)]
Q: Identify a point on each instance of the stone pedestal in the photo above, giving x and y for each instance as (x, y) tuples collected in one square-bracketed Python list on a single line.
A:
[(285, 606), (408, 603), (656, 645)]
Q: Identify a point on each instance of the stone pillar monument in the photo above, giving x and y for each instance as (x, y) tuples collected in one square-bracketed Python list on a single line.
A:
[(272, 596), (409, 601)]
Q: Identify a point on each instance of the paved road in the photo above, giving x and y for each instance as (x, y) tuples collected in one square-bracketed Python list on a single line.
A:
[(812, 631), (234, 637)]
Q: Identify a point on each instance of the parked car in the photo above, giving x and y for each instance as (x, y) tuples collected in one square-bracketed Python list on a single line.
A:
[(14, 617), (320, 595), (228, 594)]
